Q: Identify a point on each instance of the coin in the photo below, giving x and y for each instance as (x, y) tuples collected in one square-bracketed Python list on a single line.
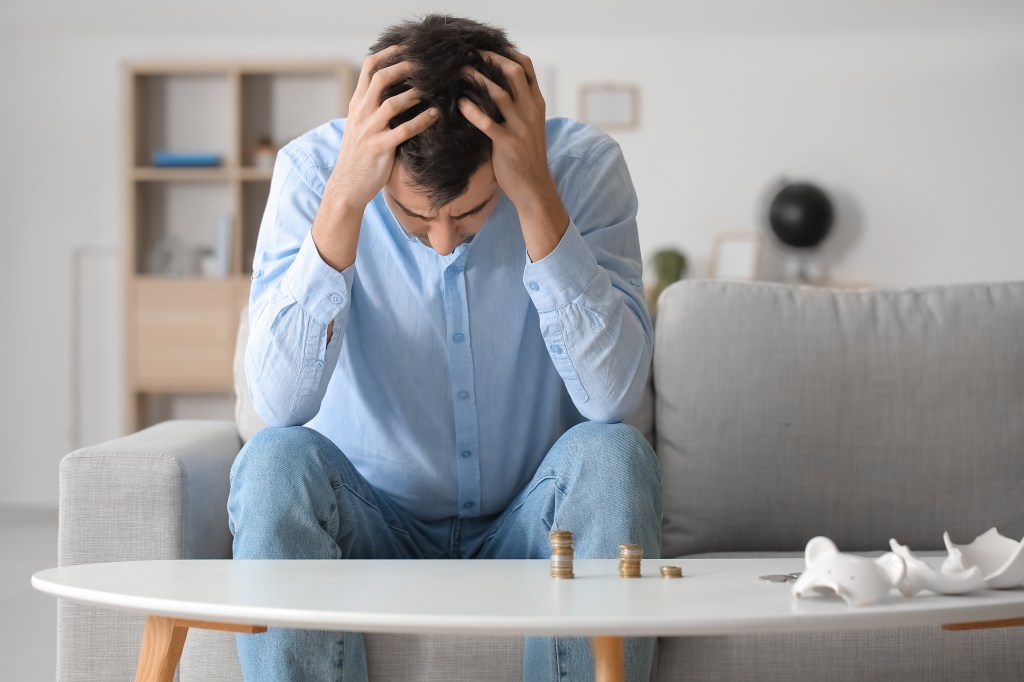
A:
[(671, 572), (776, 578), (561, 554), (629, 560)]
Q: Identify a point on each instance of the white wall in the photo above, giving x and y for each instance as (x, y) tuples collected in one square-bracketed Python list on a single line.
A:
[(911, 118)]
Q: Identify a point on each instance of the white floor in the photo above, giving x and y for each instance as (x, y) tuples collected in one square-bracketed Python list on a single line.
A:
[(28, 619)]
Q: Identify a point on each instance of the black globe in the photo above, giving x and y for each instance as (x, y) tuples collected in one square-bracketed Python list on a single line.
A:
[(800, 215)]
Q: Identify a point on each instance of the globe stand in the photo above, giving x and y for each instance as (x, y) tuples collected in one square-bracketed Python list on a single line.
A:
[(802, 270)]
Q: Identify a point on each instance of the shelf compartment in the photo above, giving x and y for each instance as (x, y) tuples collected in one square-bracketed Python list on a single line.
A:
[(177, 222), (284, 105), (189, 112)]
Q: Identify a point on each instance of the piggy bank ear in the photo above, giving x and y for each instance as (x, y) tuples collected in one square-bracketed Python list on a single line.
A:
[(819, 548)]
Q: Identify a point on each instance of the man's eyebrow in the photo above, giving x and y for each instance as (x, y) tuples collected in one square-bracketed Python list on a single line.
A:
[(475, 209), (410, 213)]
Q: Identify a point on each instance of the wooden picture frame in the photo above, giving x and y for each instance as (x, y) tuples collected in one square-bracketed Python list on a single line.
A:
[(610, 106), (736, 255)]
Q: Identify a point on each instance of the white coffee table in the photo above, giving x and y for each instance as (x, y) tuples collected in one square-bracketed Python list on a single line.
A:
[(497, 597)]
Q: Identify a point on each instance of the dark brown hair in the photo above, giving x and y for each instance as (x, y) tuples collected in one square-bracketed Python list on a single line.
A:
[(441, 160)]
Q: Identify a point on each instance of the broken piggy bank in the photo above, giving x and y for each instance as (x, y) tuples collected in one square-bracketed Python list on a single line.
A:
[(860, 581)]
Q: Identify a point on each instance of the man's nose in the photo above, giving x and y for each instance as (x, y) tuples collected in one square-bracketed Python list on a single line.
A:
[(445, 238)]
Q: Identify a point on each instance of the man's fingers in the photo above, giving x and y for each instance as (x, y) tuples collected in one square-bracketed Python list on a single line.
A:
[(370, 66), (475, 115), (531, 72), (412, 127), (500, 96), (514, 71), (395, 105), (385, 78), (526, 63)]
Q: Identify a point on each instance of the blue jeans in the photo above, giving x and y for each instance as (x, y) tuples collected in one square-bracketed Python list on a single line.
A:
[(294, 495)]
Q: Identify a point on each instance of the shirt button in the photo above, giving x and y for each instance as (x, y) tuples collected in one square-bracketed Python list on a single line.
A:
[(556, 349), (534, 286), (466, 454), (335, 298), (468, 505), (463, 395), (319, 364), (452, 270), (458, 338)]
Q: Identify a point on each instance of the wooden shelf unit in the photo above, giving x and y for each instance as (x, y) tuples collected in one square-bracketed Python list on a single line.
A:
[(180, 330)]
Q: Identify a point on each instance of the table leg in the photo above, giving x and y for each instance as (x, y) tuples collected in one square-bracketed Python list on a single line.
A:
[(163, 640), (609, 665)]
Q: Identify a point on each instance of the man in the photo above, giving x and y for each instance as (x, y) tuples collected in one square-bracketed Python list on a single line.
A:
[(447, 295)]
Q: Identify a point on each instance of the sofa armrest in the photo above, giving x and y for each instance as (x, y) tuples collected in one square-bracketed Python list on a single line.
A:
[(160, 493)]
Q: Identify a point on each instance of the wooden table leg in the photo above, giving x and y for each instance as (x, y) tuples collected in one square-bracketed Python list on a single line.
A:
[(609, 665), (163, 640)]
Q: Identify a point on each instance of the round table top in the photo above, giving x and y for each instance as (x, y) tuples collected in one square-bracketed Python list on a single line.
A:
[(501, 597)]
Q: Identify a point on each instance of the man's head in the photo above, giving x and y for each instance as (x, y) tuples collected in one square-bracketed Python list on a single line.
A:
[(441, 159), (444, 173)]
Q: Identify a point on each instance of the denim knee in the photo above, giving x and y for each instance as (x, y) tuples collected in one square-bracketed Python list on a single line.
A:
[(280, 456), (613, 452), (283, 473)]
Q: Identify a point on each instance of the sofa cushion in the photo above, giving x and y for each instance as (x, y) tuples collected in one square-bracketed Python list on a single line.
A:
[(785, 412)]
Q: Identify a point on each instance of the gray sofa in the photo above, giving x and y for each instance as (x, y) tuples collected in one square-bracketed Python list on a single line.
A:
[(778, 413)]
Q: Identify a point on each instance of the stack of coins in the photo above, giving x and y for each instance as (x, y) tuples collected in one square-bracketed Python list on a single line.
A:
[(629, 560), (561, 554), (671, 572)]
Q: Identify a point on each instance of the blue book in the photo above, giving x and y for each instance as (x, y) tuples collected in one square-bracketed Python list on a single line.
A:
[(165, 158)]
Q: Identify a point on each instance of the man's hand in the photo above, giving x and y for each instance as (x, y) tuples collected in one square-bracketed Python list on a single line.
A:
[(368, 145), (519, 154), (366, 157)]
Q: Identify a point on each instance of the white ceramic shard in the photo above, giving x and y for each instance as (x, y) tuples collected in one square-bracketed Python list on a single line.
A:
[(1000, 559), (921, 576), (858, 580)]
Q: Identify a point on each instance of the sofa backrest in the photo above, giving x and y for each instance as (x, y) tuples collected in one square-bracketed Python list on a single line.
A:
[(785, 412)]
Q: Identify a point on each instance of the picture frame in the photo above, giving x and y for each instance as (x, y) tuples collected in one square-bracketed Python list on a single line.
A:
[(610, 106), (736, 256)]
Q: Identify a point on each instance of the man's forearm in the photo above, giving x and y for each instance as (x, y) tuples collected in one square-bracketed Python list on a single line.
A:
[(544, 221), (336, 228)]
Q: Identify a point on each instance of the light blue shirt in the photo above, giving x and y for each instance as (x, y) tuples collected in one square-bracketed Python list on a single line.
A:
[(448, 378)]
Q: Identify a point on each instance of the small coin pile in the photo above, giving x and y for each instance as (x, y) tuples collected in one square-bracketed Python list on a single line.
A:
[(629, 560), (671, 572), (561, 554)]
